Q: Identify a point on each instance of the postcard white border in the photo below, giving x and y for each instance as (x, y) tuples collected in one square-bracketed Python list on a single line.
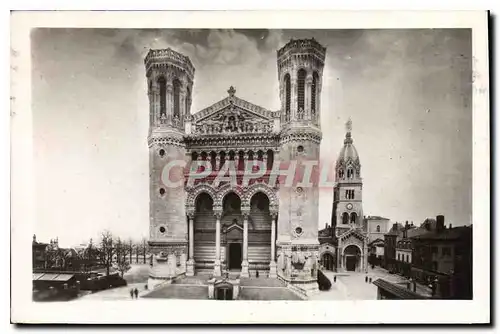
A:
[(170, 311)]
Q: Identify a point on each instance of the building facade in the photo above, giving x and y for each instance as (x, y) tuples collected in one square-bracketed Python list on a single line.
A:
[(376, 227), (443, 256), (347, 216), (208, 223)]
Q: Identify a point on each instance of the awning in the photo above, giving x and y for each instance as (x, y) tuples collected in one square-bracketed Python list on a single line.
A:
[(52, 277)]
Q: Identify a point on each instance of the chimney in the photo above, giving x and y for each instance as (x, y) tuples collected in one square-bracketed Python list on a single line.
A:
[(326, 225), (439, 223), (34, 238)]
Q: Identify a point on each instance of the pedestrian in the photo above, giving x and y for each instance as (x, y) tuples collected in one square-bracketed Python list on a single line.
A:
[(334, 279), (257, 274), (136, 292), (370, 279), (132, 293), (366, 279), (145, 287)]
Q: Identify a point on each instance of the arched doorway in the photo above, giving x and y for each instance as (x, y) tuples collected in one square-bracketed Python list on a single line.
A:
[(352, 257), (204, 231), (259, 233), (327, 261), (232, 231), (223, 291)]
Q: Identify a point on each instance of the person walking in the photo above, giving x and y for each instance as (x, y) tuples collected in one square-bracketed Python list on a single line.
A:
[(136, 292), (132, 293)]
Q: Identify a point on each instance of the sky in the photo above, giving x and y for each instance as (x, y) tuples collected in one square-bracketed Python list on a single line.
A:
[(407, 92)]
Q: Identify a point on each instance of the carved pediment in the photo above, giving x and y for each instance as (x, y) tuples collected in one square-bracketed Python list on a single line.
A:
[(233, 115), (351, 235)]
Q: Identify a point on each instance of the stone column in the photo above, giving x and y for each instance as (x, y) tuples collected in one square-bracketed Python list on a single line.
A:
[(190, 262), (169, 108), (217, 266), (217, 161), (272, 265), (339, 258), (307, 99), (244, 264)]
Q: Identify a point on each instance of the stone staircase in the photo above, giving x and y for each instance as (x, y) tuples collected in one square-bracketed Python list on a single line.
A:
[(179, 291)]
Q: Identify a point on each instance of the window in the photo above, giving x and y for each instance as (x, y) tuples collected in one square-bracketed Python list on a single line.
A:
[(300, 148), (353, 218), (434, 250), (186, 101), (163, 95), (446, 251), (345, 218), (408, 258), (162, 152), (350, 173), (434, 265), (399, 259), (314, 90), (162, 191), (301, 80), (287, 97), (270, 159), (177, 89), (378, 228), (341, 173)]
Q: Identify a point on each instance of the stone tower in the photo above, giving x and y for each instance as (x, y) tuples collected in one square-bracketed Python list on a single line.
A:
[(347, 193), (170, 81), (300, 72)]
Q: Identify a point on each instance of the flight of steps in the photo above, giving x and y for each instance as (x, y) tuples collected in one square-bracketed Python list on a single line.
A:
[(265, 289)]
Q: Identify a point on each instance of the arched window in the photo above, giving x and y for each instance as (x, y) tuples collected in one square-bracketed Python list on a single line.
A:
[(341, 173), (345, 218), (301, 82), (186, 101), (162, 83), (270, 159), (350, 173), (241, 160), (353, 218), (177, 91), (378, 228), (314, 92), (287, 97)]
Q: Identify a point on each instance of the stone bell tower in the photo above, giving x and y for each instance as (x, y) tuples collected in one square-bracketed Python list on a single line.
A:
[(170, 81), (300, 72)]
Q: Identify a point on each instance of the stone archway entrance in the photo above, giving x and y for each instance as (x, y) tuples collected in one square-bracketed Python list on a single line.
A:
[(352, 258), (327, 261)]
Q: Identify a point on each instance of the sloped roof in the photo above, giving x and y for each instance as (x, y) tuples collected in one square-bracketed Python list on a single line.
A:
[(397, 290), (376, 218), (446, 234)]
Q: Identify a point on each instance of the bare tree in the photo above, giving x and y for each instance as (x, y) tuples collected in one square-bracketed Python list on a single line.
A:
[(144, 248), (106, 250)]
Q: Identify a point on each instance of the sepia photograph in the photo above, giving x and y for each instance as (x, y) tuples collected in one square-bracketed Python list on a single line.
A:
[(321, 165)]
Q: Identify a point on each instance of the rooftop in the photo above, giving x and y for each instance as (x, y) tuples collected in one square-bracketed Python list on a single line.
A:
[(397, 290)]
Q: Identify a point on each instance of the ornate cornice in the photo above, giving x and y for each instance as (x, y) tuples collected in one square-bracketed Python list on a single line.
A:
[(166, 140), (167, 57), (300, 134)]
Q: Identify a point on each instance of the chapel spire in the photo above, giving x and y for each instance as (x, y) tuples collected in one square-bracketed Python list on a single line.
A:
[(348, 129)]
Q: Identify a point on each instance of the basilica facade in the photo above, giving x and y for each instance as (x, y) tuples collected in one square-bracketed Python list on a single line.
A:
[(205, 224)]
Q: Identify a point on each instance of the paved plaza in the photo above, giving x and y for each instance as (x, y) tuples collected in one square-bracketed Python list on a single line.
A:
[(347, 286)]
